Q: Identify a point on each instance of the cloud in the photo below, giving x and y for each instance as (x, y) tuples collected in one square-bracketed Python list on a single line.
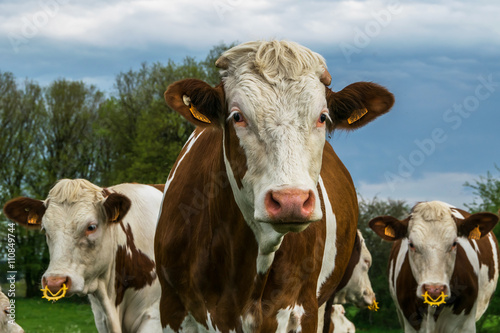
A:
[(398, 25), (447, 187)]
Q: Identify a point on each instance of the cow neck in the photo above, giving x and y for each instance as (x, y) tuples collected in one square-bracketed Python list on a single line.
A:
[(268, 239), (226, 266)]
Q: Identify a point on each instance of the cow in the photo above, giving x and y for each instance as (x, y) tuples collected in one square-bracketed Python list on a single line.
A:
[(259, 214), (7, 323), (100, 244), (340, 323), (355, 286), (440, 253)]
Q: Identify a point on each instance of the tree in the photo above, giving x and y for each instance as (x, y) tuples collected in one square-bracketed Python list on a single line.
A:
[(487, 191), (379, 250), (21, 111)]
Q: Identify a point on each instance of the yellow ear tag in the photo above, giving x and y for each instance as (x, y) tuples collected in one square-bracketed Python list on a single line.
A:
[(388, 231), (54, 297), (434, 302), (374, 306), (356, 115), (33, 219), (198, 115), (475, 234)]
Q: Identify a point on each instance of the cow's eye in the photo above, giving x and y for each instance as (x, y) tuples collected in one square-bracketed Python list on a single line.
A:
[(454, 245), (91, 228), (412, 246), (239, 119), (323, 117)]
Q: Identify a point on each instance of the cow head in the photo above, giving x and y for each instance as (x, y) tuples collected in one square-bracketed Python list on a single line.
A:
[(75, 218), (7, 323), (274, 109), (431, 235), (358, 289)]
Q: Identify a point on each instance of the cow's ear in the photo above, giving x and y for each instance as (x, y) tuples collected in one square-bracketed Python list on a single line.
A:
[(25, 211), (197, 101), (389, 228), (476, 225), (116, 206), (358, 104)]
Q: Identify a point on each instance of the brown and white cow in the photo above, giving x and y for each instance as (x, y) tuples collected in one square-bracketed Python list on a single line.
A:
[(7, 323), (101, 245), (257, 167), (340, 323), (355, 286), (441, 249)]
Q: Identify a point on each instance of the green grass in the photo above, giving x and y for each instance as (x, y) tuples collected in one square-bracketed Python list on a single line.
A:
[(64, 316)]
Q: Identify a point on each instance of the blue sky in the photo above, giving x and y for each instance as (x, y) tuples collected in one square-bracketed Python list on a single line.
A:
[(441, 59)]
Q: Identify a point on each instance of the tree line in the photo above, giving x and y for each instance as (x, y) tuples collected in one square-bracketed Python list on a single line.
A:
[(70, 129)]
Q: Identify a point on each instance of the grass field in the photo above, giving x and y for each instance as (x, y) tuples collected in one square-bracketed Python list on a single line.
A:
[(75, 316), (64, 316)]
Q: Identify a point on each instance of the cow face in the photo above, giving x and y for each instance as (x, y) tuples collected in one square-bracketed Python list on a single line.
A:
[(275, 110), (431, 236), (75, 218), (7, 323), (358, 289)]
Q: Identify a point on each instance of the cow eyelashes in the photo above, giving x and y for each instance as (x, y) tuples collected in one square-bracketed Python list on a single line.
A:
[(323, 117), (239, 119), (91, 228)]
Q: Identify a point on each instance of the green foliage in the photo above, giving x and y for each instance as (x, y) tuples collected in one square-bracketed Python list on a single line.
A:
[(487, 191), (379, 249)]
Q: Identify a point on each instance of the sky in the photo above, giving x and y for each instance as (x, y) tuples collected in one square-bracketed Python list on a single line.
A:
[(441, 60)]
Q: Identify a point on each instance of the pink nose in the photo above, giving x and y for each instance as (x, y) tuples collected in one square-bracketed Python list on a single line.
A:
[(434, 290), (290, 205), (55, 283)]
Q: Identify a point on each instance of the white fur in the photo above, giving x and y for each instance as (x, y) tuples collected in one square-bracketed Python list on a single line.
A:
[(7, 325), (330, 252), (89, 260), (340, 322), (359, 288)]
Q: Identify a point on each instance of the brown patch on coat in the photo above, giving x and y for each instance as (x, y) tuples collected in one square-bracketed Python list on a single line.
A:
[(133, 268)]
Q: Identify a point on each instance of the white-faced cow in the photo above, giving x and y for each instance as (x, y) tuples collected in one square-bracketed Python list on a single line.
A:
[(355, 286), (7, 323), (255, 168), (101, 244), (440, 253), (340, 323)]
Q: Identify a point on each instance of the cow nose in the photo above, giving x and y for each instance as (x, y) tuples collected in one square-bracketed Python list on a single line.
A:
[(290, 205), (435, 290), (55, 283)]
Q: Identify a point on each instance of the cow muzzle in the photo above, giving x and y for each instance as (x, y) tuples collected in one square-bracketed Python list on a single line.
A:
[(290, 209), (56, 283), (434, 290)]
